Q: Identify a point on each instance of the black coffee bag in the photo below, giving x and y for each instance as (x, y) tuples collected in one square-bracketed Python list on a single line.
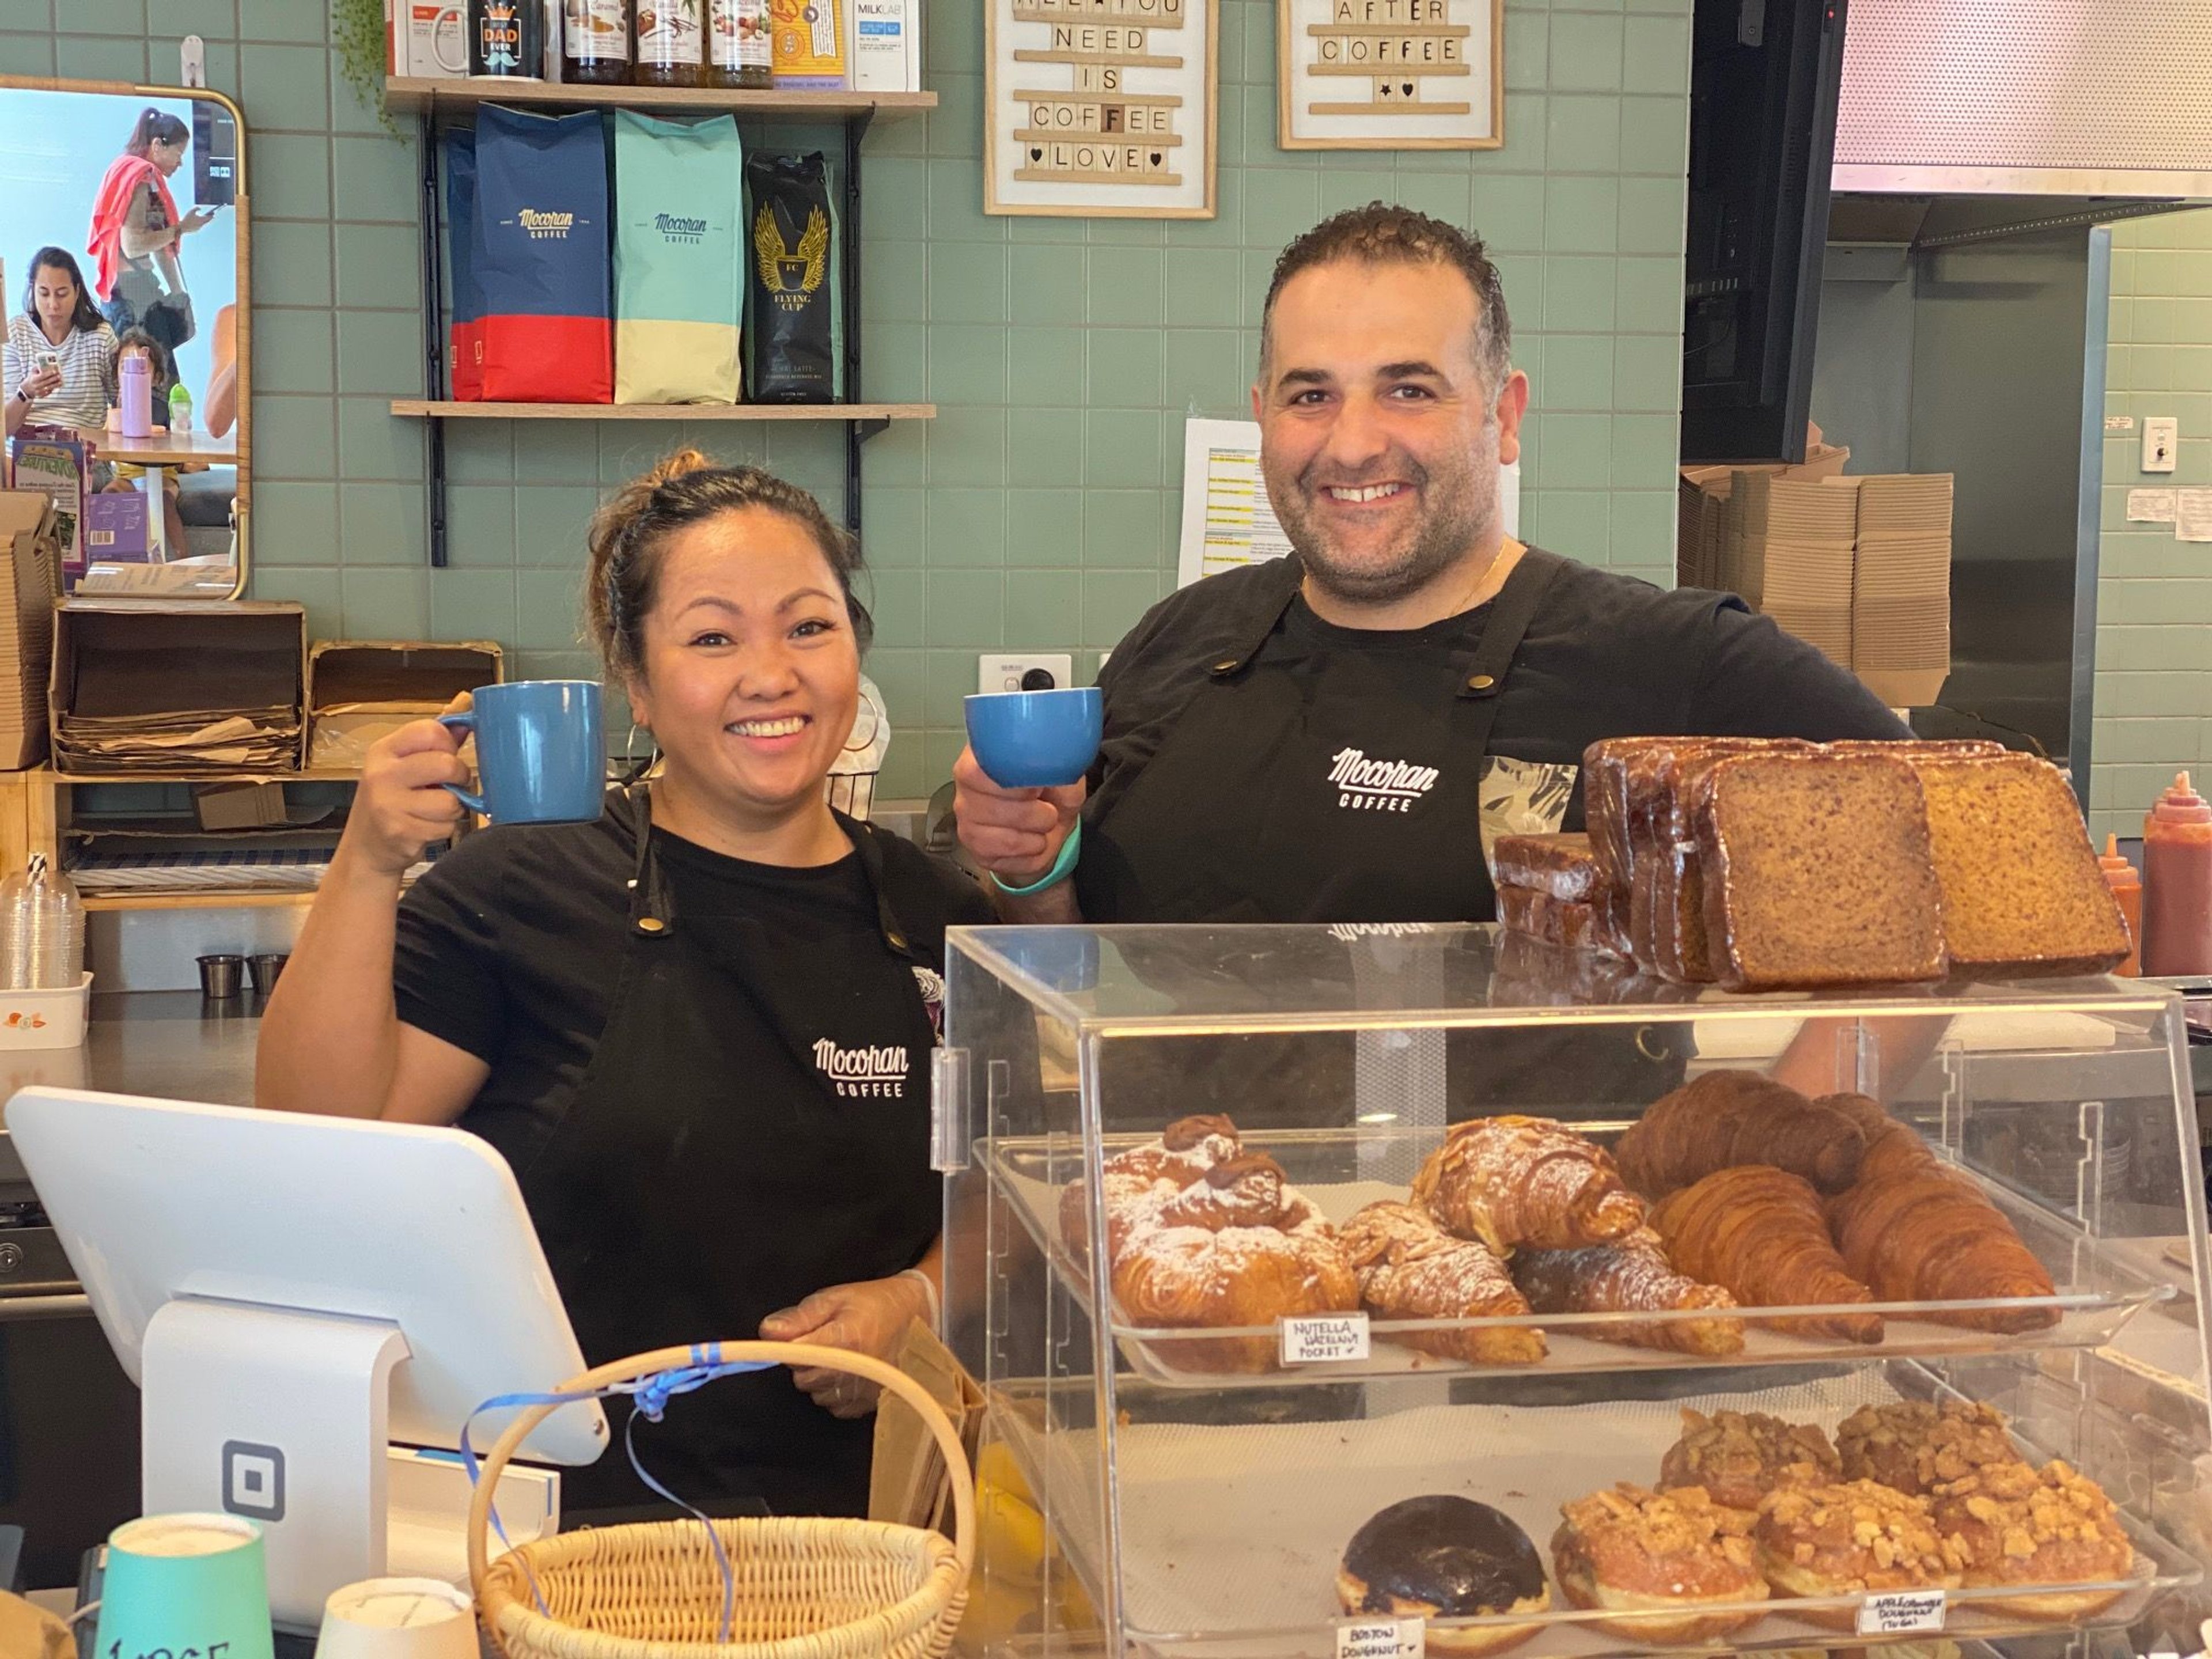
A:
[(795, 300)]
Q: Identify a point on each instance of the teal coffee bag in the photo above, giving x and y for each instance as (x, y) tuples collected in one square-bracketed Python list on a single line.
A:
[(679, 270)]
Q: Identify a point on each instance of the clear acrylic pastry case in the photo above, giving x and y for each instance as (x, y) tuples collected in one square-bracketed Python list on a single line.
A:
[(1137, 1502)]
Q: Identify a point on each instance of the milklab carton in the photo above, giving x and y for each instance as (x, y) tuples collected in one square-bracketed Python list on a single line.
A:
[(886, 46)]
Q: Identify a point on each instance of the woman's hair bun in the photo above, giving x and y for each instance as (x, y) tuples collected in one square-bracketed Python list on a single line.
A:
[(676, 465)]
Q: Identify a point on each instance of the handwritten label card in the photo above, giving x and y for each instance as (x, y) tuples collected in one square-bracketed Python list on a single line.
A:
[(1902, 1612), (1101, 107), (1317, 1338), (1389, 73), (1382, 1638)]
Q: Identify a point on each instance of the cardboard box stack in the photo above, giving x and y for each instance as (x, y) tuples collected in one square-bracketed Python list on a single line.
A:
[(1789, 543), (153, 685), (1901, 586), (27, 623), (360, 691), (1701, 507)]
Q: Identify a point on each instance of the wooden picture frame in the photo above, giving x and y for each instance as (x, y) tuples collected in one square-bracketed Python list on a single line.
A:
[(1390, 73), (1101, 108)]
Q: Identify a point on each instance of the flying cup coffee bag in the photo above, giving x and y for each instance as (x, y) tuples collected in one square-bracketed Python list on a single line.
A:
[(795, 321), (679, 294)]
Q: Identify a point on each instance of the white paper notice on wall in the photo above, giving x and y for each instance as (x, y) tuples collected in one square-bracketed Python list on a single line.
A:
[(2150, 506), (1226, 520), (2192, 515)]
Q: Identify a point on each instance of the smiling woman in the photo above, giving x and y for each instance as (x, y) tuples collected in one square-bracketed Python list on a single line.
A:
[(700, 1028)]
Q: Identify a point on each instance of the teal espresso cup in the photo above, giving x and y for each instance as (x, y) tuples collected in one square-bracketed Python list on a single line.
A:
[(541, 751), (1036, 739), (180, 1583)]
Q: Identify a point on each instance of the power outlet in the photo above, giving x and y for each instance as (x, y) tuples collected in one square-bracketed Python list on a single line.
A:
[(2161, 440), (1020, 673)]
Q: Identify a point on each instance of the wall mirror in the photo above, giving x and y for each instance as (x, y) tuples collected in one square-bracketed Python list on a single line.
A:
[(143, 190)]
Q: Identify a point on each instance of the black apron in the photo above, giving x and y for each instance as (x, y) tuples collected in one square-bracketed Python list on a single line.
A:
[(1330, 799), (753, 1126)]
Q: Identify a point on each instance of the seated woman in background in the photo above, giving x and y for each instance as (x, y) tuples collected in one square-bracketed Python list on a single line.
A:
[(137, 343), (699, 1028), (57, 367)]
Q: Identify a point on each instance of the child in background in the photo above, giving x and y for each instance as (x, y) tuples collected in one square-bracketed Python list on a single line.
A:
[(137, 343)]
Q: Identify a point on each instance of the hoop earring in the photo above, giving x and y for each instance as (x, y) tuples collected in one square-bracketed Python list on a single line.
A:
[(637, 770)]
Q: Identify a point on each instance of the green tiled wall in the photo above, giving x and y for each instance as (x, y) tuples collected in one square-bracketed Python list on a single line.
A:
[(1039, 510), (2153, 593)]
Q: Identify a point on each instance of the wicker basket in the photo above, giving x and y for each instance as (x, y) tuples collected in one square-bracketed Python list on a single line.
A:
[(807, 1588)]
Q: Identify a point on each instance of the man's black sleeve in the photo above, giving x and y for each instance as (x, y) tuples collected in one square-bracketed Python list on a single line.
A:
[(1759, 682)]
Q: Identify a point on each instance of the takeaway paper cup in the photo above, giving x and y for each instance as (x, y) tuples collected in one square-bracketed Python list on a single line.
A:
[(180, 1581), (398, 1619)]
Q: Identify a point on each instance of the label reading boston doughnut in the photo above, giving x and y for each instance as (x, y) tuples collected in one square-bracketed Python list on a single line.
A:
[(1315, 1339), (1902, 1612), (1382, 1638)]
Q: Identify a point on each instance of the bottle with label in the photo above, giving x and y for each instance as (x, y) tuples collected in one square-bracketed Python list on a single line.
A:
[(740, 51), (2177, 884), (595, 42), (2127, 888), (671, 43)]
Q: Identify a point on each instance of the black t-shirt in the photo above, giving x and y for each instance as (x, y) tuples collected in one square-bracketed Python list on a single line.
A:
[(1606, 655), (511, 946)]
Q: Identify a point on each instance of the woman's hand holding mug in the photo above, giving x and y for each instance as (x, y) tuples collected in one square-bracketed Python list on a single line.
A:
[(404, 802)]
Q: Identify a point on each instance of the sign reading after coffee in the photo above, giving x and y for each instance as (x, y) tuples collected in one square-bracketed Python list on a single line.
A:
[(1101, 107), (1389, 73)]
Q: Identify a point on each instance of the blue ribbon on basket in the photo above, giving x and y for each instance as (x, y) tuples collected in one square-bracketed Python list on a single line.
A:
[(649, 1398)]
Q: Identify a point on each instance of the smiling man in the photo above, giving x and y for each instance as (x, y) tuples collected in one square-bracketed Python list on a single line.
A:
[(1321, 738)]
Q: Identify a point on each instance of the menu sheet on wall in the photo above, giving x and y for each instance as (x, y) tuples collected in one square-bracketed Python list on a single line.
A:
[(1100, 108), (1389, 73)]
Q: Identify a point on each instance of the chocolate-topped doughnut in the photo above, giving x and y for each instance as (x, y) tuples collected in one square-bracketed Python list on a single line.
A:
[(1444, 1556)]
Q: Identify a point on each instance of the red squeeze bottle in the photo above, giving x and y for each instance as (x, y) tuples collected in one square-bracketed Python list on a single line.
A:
[(2127, 887), (2176, 937)]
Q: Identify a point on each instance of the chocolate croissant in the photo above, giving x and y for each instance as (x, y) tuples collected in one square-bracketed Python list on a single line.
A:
[(1724, 1119), (1410, 1268), (1759, 1232), (1928, 1235), (1630, 1275), (1511, 1181)]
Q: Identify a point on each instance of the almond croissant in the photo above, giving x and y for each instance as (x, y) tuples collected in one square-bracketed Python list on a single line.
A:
[(1728, 1118), (1760, 1233), (1928, 1235), (1411, 1268), (1515, 1180), (1630, 1275)]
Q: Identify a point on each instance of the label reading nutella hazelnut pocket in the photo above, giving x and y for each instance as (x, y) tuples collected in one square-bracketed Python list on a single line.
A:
[(1902, 1612), (1382, 1638), (1317, 1339)]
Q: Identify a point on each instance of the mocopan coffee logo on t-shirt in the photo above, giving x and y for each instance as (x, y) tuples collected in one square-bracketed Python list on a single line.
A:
[(1378, 786), (860, 1073)]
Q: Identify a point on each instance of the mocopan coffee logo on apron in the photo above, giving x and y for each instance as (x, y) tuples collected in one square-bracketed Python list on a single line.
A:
[(1378, 786), (860, 1073)]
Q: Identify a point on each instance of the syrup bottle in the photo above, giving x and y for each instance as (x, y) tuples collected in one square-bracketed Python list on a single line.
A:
[(2127, 887)]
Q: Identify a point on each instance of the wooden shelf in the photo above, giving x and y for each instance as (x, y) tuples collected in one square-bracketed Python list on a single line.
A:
[(406, 97), (263, 901), (446, 410)]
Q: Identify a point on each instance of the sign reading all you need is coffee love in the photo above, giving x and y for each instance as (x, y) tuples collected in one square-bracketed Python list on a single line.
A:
[(1101, 107), (1389, 73)]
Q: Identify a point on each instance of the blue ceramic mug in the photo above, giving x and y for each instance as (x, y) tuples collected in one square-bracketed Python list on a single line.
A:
[(540, 751), (1036, 739)]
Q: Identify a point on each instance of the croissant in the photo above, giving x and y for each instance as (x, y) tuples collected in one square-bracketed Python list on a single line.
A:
[(1515, 1180), (1928, 1235), (1241, 1246), (1728, 1118), (1138, 1181), (1411, 1268), (1759, 1232), (1630, 1275)]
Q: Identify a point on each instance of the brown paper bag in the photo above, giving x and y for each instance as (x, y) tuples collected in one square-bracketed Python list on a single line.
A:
[(909, 1483), (28, 1632)]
